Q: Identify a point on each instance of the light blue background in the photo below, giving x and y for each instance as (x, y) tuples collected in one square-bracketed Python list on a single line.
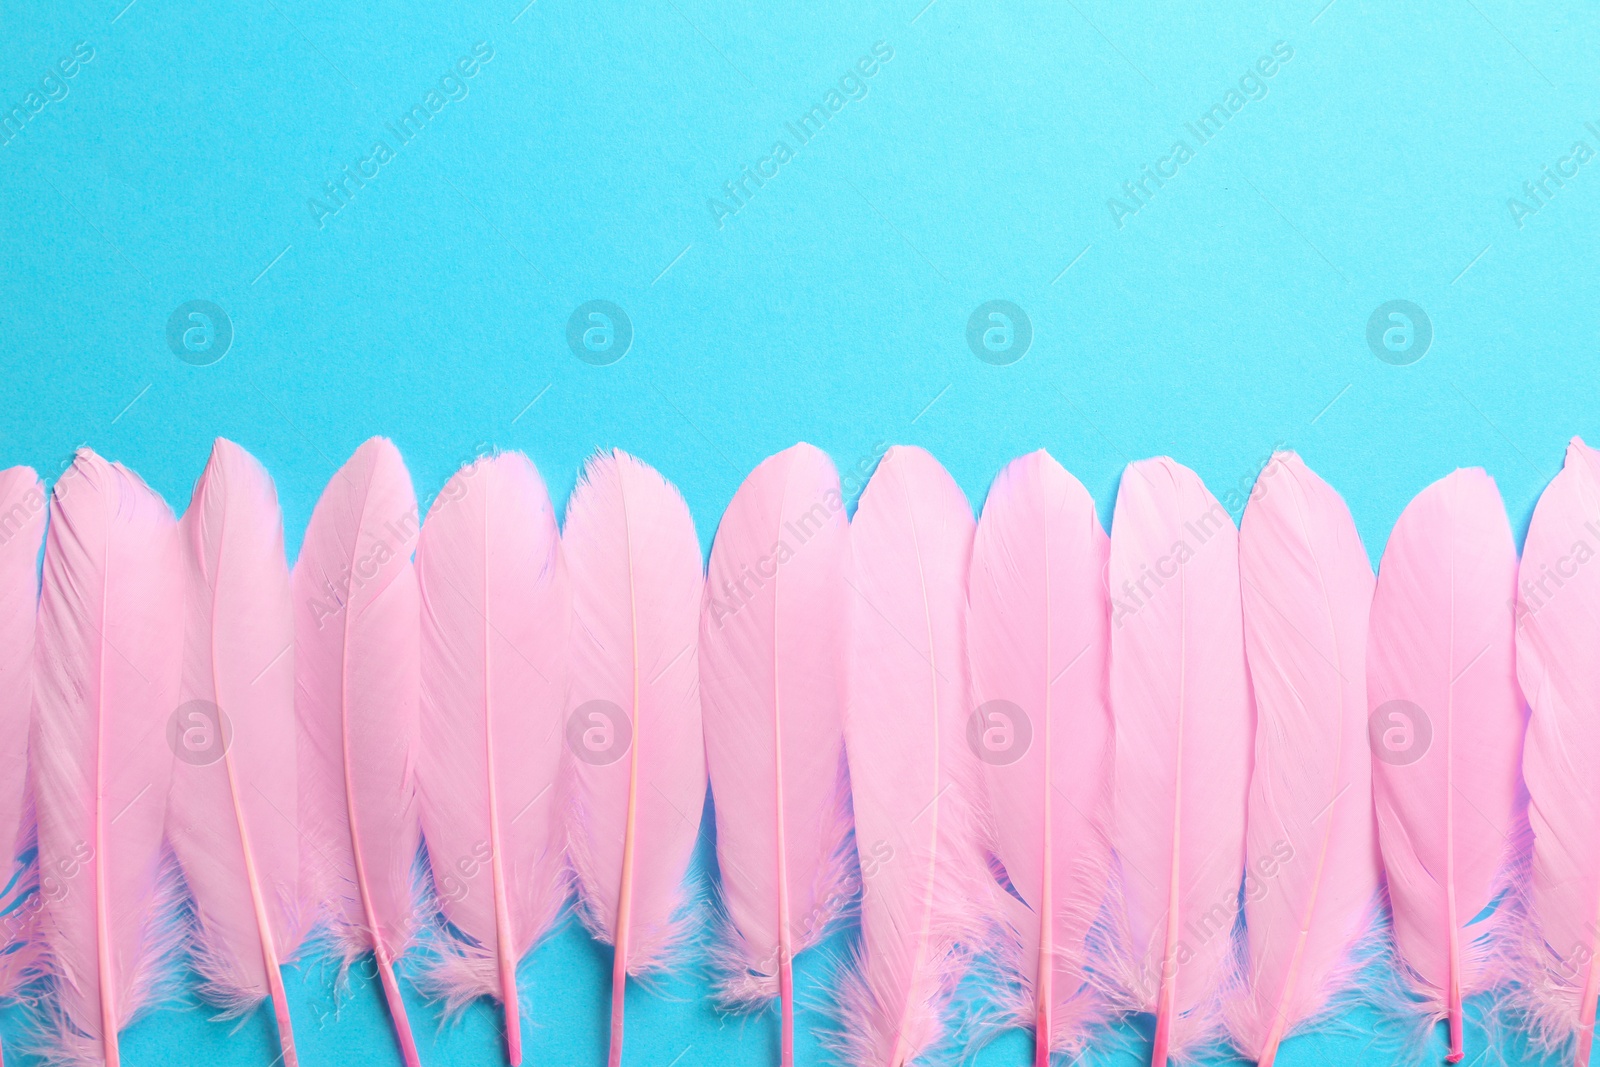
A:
[(1226, 317)]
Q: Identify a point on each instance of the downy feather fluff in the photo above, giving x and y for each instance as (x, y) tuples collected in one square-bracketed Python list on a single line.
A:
[(1311, 850), (633, 731), (913, 777), (496, 617), (231, 817), (773, 642), (1039, 637), (107, 659), (356, 692), (22, 514), (1182, 719), (1447, 772), (1558, 631)]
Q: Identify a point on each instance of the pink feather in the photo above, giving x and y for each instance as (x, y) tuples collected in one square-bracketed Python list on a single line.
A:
[(1040, 643), (1180, 704), (22, 515), (496, 620), (772, 649), (1447, 777), (1311, 846), (633, 733), (108, 655), (356, 691), (1558, 631), (231, 816), (913, 777)]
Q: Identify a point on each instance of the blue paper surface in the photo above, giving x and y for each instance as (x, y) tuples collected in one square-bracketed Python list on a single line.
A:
[(1211, 304)]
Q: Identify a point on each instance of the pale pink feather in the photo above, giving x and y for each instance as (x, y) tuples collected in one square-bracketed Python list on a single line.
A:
[(496, 620), (22, 514), (1447, 769), (633, 731), (1558, 632), (107, 660), (1311, 850), (356, 692), (1039, 638), (231, 818), (913, 776), (772, 666), (1183, 726)]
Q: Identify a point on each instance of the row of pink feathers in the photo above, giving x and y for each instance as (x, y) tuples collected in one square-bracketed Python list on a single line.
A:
[(1197, 771)]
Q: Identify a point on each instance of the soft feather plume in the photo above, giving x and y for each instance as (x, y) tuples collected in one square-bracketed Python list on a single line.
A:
[(107, 659), (1447, 776), (1039, 638), (1558, 630), (1311, 843), (231, 815), (1180, 704), (22, 513), (772, 648), (356, 684), (496, 617), (912, 775), (633, 733)]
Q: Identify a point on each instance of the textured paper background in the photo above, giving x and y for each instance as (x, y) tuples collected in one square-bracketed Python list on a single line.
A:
[(1226, 316)]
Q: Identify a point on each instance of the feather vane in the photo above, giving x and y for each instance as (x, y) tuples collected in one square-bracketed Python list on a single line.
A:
[(496, 619), (635, 748)]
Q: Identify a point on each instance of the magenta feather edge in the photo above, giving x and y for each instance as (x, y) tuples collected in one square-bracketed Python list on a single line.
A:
[(1218, 775)]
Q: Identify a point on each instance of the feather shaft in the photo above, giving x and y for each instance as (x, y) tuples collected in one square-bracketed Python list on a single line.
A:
[(238, 614), (107, 663), (1038, 636), (496, 621), (634, 811), (926, 891), (1441, 655), (771, 665), (357, 655), (385, 962), (1307, 591), (1180, 698), (1557, 669)]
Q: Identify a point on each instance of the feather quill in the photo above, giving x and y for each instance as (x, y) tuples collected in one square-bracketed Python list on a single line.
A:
[(634, 741), (496, 617), (231, 816), (1447, 768), (1180, 702), (1039, 637), (1312, 868), (1558, 629), (22, 514), (772, 648), (107, 659), (913, 777), (356, 693)]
